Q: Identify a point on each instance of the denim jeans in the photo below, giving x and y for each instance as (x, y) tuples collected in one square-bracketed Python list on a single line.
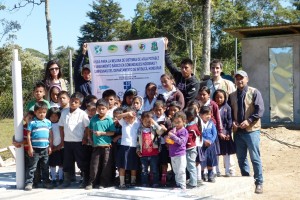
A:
[(191, 155), (39, 154), (153, 161), (245, 141)]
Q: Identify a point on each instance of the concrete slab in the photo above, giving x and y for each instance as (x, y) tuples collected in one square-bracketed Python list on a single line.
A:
[(223, 188)]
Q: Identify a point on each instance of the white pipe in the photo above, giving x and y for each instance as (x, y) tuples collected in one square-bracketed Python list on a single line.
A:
[(71, 72), (18, 118)]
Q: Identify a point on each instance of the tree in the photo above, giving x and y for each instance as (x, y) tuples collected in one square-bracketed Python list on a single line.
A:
[(7, 28), (62, 55), (24, 3), (107, 23), (206, 37)]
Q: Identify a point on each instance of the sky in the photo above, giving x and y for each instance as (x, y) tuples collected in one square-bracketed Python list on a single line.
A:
[(67, 16)]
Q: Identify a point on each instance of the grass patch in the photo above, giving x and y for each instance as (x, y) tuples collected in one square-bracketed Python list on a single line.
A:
[(6, 134)]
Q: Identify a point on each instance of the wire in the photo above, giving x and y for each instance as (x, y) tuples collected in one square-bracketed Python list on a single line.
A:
[(279, 141)]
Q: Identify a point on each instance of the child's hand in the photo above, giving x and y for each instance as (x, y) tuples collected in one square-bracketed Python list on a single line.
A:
[(139, 153), (235, 126), (30, 152), (132, 114), (227, 137), (222, 136), (98, 133), (166, 42), (207, 143), (49, 150), (163, 127)]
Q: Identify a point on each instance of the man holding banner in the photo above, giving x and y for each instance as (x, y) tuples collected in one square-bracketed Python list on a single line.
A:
[(186, 81)]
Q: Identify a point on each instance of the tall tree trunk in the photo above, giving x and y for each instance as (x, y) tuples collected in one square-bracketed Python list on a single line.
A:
[(206, 37), (48, 27)]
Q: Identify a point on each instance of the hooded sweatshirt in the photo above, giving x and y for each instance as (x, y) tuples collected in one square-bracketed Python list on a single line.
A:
[(189, 87)]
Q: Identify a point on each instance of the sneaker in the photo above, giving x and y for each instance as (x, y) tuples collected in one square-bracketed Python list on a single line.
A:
[(218, 174), (155, 185), (205, 177), (89, 186), (60, 182), (132, 184), (227, 175), (199, 183), (144, 185), (122, 187), (53, 182), (259, 189), (28, 187), (212, 179), (100, 187), (48, 185), (188, 186)]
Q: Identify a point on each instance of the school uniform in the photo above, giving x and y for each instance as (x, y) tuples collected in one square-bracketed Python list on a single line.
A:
[(127, 158)]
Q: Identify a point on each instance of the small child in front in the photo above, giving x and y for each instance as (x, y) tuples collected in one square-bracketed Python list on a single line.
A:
[(177, 149), (148, 148), (39, 139), (127, 158), (102, 128), (72, 125)]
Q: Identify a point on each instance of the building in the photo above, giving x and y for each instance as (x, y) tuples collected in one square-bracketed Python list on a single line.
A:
[(271, 57)]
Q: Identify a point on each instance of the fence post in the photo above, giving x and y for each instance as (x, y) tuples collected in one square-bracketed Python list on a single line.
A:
[(18, 118), (71, 72)]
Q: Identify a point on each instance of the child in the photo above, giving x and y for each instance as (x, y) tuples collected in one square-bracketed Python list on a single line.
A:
[(118, 102), (72, 124), (53, 92), (173, 108), (117, 137), (102, 129), (88, 99), (159, 109), (128, 97), (137, 105), (191, 150), (39, 92), (57, 156), (209, 134), (148, 148), (39, 145), (91, 109), (177, 148), (127, 158), (204, 100), (227, 146), (63, 99), (110, 96), (170, 92), (150, 96)]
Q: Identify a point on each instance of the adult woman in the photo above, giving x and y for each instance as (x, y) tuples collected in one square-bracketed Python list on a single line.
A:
[(53, 76)]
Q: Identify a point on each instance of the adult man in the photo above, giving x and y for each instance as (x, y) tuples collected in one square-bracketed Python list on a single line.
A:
[(186, 81), (247, 109), (217, 82)]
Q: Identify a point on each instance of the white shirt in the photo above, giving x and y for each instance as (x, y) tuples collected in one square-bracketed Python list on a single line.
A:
[(110, 112), (162, 118), (129, 132), (213, 86), (53, 104), (148, 106), (56, 134), (74, 124), (166, 94)]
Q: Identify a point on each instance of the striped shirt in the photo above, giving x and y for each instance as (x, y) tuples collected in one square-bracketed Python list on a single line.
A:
[(40, 132)]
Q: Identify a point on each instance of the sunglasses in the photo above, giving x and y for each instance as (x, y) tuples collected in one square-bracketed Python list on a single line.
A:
[(56, 68)]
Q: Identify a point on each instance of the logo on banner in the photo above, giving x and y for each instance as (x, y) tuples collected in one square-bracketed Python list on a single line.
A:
[(97, 49), (112, 48), (103, 87), (154, 46), (142, 46), (128, 48), (127, 85)]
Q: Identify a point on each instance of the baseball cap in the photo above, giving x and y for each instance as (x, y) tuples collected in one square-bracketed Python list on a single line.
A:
[(86, 66), (241, 73)]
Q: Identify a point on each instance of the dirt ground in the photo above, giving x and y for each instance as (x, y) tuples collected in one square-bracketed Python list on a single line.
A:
[(280, 152)]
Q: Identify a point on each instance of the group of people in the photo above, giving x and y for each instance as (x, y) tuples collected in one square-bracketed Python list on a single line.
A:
[(188, 125)]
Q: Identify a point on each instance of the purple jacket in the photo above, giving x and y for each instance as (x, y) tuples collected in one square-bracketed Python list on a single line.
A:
[(180, 139)]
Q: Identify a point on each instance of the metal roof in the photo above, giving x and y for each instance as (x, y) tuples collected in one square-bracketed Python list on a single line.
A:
[(260, 31)]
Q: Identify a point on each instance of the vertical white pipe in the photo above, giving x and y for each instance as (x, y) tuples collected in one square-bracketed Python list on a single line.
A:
[(236, 58), (18, 118), (71, 72)]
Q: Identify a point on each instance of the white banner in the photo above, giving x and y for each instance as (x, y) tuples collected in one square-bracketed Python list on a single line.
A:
[(120, 65)]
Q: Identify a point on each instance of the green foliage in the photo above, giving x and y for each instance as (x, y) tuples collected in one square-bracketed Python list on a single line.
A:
[(8, 28), (7, 131), (62, 54), (107, 23)]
